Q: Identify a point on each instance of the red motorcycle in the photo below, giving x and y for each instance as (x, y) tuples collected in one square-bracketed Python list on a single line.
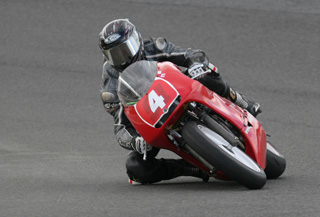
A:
[(175, 112)]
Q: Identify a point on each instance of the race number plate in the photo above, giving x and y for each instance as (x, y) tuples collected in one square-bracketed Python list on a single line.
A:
[(156, 102)]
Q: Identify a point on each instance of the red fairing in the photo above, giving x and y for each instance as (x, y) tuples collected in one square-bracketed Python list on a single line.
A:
[(171, 85), (255, 139)]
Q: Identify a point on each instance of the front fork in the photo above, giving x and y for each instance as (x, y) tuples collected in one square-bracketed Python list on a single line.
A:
[(202, 115)]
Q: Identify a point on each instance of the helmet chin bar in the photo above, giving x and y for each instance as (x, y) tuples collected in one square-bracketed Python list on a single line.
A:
[(139, 56)]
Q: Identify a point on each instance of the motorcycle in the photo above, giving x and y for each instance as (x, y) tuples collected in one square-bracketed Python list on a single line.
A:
[(175, 112)]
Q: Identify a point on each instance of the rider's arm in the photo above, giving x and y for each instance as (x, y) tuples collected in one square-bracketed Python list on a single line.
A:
[(108, 88), (125, 133), (161, 50)]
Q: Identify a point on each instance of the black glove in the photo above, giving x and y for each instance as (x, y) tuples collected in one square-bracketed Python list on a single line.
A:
[(141, 146)]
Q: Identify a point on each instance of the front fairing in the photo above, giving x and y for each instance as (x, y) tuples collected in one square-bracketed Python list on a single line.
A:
[(150, 100)]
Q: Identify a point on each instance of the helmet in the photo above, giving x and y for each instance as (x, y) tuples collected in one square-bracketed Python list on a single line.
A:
[(120, 43)]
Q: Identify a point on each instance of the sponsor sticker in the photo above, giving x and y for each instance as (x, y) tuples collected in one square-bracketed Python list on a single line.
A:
[(112, 38)]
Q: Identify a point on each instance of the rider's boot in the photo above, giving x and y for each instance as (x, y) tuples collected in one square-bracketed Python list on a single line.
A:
[(180, 167), (242, 101)]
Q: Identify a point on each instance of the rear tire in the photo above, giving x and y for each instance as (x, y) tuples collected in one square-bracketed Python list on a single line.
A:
[(276, 163), (228, 159)]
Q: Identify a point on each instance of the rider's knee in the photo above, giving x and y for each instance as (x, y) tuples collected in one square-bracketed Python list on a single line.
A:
[(135, 166)]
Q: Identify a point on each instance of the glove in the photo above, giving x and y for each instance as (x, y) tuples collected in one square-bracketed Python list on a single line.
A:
[(141, 146), (196, 70)]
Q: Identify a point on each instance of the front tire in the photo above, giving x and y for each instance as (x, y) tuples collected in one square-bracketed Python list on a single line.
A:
[(228, 159)]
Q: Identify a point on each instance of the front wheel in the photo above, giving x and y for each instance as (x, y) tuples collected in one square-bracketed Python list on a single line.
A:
[(276, 163), (226, 158)]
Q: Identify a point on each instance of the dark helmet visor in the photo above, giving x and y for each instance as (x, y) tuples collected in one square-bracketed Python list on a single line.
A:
[(123, 52)]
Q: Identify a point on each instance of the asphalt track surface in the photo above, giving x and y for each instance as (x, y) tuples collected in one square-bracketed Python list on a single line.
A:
[(58, 154)]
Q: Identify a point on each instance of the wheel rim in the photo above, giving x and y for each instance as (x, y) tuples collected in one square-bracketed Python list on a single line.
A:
[(234, 152)]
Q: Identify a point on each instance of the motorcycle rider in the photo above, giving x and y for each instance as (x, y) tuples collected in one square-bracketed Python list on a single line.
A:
[(122, 45)]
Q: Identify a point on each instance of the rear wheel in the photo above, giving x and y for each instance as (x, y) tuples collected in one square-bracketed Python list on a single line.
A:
[(276, 163), (226, 158)]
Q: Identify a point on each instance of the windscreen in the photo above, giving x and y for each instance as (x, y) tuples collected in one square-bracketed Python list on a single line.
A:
[(135, 81)]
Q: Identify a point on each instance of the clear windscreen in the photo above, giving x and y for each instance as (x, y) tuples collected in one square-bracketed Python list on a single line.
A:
[(135, 81)]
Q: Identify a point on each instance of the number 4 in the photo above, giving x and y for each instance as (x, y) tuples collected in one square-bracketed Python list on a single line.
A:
[(155, 101)]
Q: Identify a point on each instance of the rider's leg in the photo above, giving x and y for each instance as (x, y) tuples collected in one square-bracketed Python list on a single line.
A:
[(215, 83), (242, 101), (154, 170)]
